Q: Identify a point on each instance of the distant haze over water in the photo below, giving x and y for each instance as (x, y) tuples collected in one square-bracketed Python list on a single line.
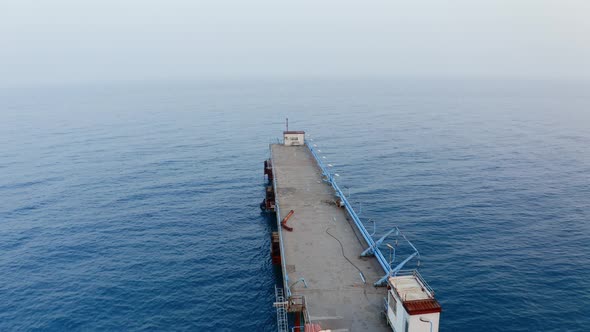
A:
[(67, 41)]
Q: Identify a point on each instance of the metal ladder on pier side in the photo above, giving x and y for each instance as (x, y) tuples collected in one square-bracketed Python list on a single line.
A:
[(281, 305)]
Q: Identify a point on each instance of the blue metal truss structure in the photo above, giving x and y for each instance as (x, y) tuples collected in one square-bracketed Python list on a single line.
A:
[(373, 249)]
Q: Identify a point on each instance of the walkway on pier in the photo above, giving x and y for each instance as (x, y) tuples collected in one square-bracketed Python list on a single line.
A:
[(324, 248)]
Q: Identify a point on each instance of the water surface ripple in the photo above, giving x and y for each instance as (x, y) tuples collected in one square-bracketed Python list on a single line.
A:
[(135, 206)]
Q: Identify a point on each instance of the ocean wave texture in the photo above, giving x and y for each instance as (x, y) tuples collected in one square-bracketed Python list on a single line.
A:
[(134, 206)]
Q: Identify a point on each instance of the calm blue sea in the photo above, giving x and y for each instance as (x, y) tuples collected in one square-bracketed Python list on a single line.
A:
[(134, 206)]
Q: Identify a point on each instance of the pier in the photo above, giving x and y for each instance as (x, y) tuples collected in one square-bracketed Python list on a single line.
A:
[(334, 273)]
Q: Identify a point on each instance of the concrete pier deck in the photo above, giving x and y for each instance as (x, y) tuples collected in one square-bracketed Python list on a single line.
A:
[(324, 248)]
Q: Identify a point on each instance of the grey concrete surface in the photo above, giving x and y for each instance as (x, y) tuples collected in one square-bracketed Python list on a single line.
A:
[(336, 296)]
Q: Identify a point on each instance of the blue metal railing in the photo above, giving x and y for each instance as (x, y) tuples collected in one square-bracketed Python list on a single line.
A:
[(373, 245), (278, 213), (418, 276)]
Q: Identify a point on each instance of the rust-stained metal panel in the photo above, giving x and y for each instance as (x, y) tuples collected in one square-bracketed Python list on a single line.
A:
[(420, 307)]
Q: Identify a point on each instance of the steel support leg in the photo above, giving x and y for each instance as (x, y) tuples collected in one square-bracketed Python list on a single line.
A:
[(371, 250)]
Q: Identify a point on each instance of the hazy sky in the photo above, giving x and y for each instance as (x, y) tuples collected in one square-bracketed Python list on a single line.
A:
[(78, 40)]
